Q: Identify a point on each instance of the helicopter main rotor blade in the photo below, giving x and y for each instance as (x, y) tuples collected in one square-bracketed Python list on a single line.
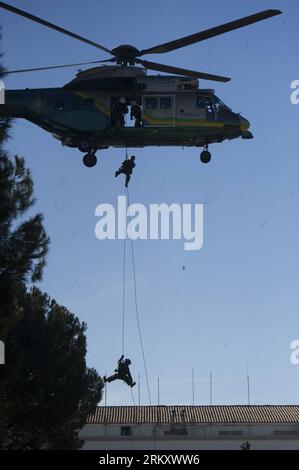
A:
[(57, 66), (180, 71), (36, 19), (210, 33)]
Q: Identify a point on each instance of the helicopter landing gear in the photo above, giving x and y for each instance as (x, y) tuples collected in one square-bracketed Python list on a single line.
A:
[(85, 146), (205, 155), (90, 159)]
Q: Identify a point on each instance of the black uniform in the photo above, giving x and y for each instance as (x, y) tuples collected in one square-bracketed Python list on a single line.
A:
[(122, 372), (117, 118), (118, 112), (136, 114), (127, 169), (245, 445)]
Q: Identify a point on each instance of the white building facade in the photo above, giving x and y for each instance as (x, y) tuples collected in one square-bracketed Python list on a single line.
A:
[(265, 427)]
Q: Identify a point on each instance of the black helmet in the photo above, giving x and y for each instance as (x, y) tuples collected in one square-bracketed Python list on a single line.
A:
[(127, 361), (133, 157)]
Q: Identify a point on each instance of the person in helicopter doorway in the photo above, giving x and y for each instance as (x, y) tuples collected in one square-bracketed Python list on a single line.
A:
[(127, 169), (116, 116), (136, 114), (122, 372), (118, 111)]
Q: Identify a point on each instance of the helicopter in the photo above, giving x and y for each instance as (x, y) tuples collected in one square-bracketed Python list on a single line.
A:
[(88, 113)]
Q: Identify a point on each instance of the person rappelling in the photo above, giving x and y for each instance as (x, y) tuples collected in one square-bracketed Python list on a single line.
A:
[(127, 169), (122, 372)]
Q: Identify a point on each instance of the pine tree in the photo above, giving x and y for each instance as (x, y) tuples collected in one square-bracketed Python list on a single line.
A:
[(46, 390), (23, 248), (52, 391), (23, 243)]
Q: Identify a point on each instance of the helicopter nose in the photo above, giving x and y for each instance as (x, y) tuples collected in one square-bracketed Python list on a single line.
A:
[(244, 124)]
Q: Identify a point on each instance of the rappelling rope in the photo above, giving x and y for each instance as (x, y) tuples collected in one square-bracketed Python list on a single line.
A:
[(137, 312), (124, 282), (136, 302), (124, 297)]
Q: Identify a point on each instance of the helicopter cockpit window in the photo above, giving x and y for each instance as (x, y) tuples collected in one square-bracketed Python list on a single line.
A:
[(205, 103), (165, 102), (201, 102), (151, 103), (219, 105)]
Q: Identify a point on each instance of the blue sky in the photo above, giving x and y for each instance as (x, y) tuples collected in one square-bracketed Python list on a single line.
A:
[(236, 302)]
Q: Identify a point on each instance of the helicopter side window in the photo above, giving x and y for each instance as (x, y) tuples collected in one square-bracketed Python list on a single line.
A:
[(165, 102), (151, 103)]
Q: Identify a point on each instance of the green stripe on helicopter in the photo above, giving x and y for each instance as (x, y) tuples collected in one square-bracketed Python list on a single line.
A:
[(98, 104), (179, 122)]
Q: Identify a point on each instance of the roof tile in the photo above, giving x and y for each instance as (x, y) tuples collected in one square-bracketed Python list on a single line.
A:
[(216, 414)]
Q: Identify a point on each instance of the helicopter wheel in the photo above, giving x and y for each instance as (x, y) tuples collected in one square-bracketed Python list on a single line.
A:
[(90, 160), (205, 156)]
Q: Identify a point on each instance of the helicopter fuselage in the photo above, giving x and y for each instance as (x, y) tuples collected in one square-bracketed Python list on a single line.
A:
[(174, 111)]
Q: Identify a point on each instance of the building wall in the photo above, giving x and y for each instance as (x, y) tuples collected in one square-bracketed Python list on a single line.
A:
[(196, 437)]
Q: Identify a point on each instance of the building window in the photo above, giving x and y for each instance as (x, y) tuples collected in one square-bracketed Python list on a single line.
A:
[(181, 431), (165, 103), (230, 433), (285, 432), (126, 431), (151, 103)]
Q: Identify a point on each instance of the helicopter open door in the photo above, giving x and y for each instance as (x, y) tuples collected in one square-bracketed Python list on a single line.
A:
[(158, 111)]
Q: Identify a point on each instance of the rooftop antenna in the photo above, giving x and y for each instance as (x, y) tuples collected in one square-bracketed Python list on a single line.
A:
[(105, 392), (193, 386), (158, 383), (105, 418), (211, 388), (138, 389), (248, 386)]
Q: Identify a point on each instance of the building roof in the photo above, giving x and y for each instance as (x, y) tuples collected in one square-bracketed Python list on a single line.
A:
[(216, 414)]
